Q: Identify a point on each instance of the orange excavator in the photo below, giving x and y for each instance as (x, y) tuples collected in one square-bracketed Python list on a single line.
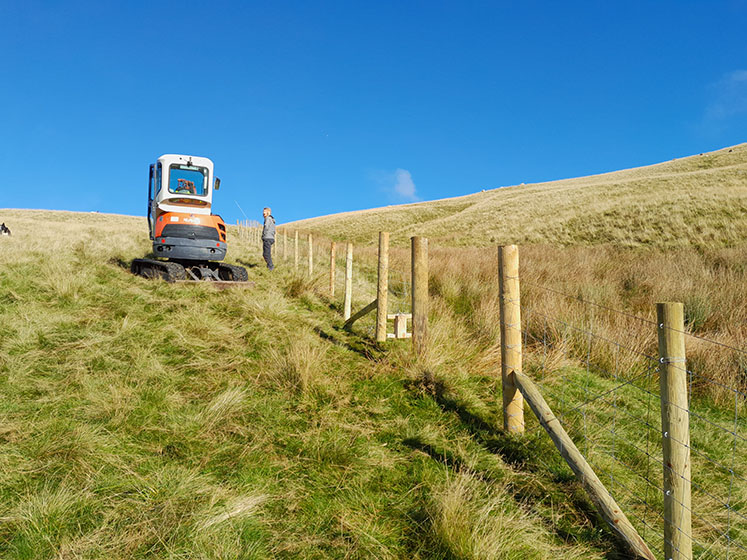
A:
[(189, 241)]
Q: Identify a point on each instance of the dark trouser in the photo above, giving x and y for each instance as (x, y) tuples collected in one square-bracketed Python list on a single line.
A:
[(267, 252)]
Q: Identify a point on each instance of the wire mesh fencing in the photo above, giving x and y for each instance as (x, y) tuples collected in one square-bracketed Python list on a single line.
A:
[(606, 393), (600, 370)]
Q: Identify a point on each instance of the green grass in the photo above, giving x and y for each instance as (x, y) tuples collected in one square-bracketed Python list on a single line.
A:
[(141, 419)]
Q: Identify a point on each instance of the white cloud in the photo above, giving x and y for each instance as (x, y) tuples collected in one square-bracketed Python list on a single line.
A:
[(398, 184), (404, 186), (729, 97)]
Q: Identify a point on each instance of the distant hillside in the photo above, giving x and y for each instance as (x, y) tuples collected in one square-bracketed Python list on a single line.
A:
[(699, 200)]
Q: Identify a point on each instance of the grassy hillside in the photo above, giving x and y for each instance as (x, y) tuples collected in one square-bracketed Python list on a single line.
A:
[(141, 419), (694, 201), (146, 420)]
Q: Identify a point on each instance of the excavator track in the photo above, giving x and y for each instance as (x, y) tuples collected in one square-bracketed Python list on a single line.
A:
[(232, 273), (215, 273), (151, 268)]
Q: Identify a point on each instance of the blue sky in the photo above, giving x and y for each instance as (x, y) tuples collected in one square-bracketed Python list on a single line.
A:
[(321, 107)]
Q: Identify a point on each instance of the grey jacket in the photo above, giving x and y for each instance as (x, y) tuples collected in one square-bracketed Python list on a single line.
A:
[(268, 232)]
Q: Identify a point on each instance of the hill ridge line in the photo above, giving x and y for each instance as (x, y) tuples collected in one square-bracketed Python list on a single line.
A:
[(622, 176)]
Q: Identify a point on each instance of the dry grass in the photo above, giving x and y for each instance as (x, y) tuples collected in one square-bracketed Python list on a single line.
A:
[(711, 283), (296, 365), (696, 201), (592, 309), (146, 420), (142, 420), (477, 522)]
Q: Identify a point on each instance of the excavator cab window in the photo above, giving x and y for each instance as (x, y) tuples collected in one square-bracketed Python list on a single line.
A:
[(188, 179)]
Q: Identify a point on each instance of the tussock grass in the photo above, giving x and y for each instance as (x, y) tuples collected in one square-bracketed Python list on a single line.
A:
[(146, 420), (473, 521), (298, 365), (560, 309), (589, 313)]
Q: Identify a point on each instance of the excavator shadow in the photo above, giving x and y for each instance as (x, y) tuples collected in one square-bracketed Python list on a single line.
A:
[(121, 263)]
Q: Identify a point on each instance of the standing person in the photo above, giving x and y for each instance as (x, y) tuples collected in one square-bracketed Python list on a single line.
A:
[(268, 237)]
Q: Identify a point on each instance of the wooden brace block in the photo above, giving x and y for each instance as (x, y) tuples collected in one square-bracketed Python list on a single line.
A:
[(400, 326)]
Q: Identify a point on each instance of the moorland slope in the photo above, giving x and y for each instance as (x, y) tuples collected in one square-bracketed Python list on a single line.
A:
[(694, 201), (141, 419)]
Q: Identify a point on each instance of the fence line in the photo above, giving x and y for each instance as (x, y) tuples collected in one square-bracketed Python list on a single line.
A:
[(617, 423), (672, 540)]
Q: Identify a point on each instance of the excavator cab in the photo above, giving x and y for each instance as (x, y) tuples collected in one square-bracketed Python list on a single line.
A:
[(180, 220)]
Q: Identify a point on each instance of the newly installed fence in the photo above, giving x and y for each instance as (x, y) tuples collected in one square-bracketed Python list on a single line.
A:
[(641, 429), (665, 466)]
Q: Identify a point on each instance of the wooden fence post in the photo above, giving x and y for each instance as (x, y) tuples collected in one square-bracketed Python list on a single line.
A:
[(295, 252), (419, 294), (332, 264), (383, 286), (510, 311), (311, 254), (348, 282), (675, 428)]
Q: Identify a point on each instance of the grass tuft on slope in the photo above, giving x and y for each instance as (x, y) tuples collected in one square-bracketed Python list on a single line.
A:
[(141, 419)]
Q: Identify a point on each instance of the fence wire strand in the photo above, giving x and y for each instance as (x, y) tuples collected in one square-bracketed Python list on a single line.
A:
[(613, 409)]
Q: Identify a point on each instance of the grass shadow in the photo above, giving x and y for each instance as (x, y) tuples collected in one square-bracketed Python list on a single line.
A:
[(121, 263), (496, 440), (247, 264), (446, 457), (515, 451), (366, 348)]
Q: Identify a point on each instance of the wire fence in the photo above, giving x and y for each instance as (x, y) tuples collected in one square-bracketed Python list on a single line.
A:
[(612, 409), (605, 390)]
